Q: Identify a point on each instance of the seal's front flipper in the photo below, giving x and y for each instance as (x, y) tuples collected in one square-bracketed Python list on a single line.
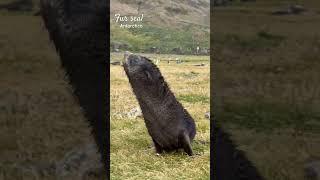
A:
[(159, 149), (186, 144)]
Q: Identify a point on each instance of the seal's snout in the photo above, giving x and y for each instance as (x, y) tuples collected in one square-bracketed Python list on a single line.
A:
[(125, 56), (133, 60), (130, 58)]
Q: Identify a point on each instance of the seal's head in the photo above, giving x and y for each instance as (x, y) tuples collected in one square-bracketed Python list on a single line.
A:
[(144, 76)]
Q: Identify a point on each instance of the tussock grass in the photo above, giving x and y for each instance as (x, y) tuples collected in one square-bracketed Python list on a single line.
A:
[(132, 152)]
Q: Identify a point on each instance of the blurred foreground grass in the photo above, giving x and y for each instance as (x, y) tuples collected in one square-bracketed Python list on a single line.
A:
[(40, 121), (266, 89)]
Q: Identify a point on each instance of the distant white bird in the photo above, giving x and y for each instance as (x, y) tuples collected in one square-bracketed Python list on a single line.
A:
[(178, 61), (157, 61)]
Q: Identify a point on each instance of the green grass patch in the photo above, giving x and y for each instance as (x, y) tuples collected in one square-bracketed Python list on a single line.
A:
[(194, 98), (192, 74)]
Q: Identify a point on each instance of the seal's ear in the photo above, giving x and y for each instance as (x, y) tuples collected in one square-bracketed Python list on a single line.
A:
[(148, 75)]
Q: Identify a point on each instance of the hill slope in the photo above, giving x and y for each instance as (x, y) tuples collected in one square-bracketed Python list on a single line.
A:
[(168, 26), (174, 13)]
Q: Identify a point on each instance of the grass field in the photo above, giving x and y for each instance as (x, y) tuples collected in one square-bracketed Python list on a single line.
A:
[(266, 83), (132, 152)]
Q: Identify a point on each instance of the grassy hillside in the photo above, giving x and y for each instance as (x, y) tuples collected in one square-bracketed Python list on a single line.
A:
[(164, 13), (164, 39), (166, 25), (266, 83)]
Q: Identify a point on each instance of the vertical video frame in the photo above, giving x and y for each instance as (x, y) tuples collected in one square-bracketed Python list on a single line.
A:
[(160, 89)]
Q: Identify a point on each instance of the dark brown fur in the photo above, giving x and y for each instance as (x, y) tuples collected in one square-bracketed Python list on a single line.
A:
[(229, 162), (78, 30), (168, 123)]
